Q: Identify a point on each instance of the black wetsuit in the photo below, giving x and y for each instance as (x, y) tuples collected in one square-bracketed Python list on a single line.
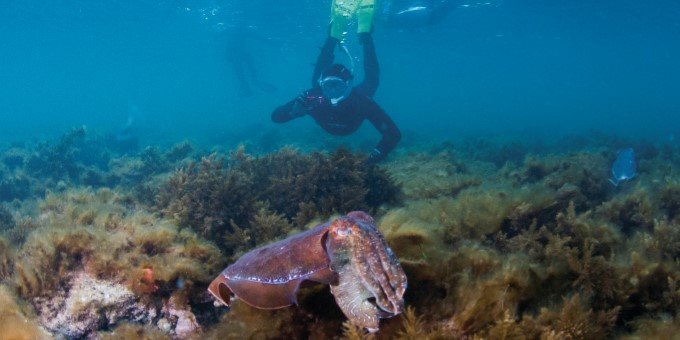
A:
[(347, 116)]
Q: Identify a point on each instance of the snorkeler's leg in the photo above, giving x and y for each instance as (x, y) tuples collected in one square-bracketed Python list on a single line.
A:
[(371, 66), (325, 58)]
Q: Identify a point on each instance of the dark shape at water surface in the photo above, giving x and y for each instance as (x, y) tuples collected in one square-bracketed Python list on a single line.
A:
[(349, 253), (624, 167)]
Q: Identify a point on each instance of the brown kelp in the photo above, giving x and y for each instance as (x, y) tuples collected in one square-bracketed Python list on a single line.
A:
[(6, 259), (518, 246), (245, 200)]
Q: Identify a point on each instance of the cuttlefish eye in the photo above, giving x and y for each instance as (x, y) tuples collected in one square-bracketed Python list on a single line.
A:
[(343, 231)]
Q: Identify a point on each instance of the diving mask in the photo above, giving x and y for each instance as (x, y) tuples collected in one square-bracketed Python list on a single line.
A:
[(335, 89)]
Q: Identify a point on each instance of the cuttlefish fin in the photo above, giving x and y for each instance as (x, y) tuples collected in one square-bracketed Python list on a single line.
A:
[(219, 289)]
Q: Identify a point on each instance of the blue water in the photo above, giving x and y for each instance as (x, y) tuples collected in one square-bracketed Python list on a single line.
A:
[(499, 67)]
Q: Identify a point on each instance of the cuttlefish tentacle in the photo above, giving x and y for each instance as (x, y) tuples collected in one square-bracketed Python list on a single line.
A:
[(388, 259), (365, 265), (392, 266), (349, 291), (353, 300), (369, 265), (396, 277)]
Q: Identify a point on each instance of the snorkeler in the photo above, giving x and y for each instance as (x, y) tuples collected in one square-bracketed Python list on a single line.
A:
[(239, 56), (126, 140), (339, 108)]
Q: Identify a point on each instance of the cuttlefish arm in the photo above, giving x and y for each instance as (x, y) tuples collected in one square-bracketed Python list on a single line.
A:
[(367, 269)]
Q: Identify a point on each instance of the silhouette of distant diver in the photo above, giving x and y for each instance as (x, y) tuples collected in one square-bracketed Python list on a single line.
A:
[(238, 54)]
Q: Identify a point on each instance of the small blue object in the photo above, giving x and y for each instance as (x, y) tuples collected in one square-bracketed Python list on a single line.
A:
[(624, 167)]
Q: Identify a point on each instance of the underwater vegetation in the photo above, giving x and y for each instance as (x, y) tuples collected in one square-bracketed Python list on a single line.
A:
[(15, 321), (544, 249), (90, 256), (534, 243), (244, 201), (81, 158)]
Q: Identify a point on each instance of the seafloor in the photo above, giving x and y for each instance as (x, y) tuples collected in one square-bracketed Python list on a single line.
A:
[(500, 239)]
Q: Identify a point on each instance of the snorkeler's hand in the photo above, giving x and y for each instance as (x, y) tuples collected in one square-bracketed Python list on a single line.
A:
[(307, 101)]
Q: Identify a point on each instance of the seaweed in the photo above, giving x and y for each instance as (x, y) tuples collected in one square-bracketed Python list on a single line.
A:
[(575, 321), (413, 326), (14, 186), (665, 241), (208, 198), (423, 176), (14, 158), (331, 183), (351, 331), (587, 171), (494, 149), (20, 230), (153, 161), (670, 199), (223, 200), (245, 322), (486, 292), (540, 248), (655, 290), (90, 231), (6, 260), (6, 219), (596, 277), (534, 169), (15, 319), (179, 152), (631, 213), (655, 328), (382, 189), (267, 225), (126, 331), (58, 161)]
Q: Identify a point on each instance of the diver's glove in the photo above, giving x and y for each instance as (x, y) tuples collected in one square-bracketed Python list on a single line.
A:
[(304, 103), (374, 157)]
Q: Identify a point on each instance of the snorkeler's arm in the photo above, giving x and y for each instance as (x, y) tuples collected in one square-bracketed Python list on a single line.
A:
[(282, 113), (325, 58), (286, 112), (371, 67), (298, 107), (389, 131)]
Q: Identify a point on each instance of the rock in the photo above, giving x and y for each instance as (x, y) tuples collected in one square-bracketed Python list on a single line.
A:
[(88, 304)]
